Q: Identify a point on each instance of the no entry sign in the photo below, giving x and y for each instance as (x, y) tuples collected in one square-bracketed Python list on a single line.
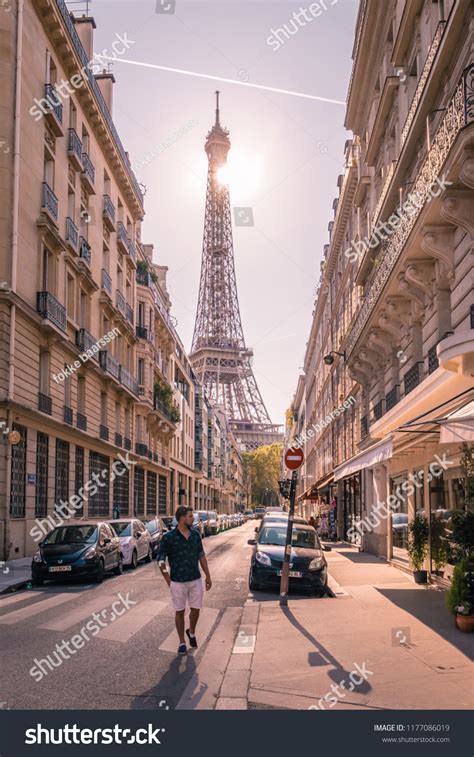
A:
[(294, 457)]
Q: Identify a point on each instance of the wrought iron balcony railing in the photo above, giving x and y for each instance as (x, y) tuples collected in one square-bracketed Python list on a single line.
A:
[(85, 250), (118, 439), (72, 233), (109, 364), (391, 398), (85, 341), (104, 433), (122, 236), (74, 146), (144, 278), (109, 211), (49, 308), (45, 403), (433, 362), (412, 377), (132, 250), (54, 102), (159, 405), (141, 331), (127, 380), (81, 421), (88, 168), (69, 24), (141, 449), (129, 314), (127, 443), (364, 426), (120, 302), (106, 281), (49, 201), (459, 113), (68, 415), (378, 410)]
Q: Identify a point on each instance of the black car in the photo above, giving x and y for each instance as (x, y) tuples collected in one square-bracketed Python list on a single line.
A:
[(167, 522), (79, 550), (308, 567), (155, 529)]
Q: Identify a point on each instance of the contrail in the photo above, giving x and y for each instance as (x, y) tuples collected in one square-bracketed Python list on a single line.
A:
[(227, 81)]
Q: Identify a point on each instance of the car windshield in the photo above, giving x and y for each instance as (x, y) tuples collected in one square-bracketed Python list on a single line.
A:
[(72, 535), (151, 526), (203, 516), (276, 536), (122, 528)]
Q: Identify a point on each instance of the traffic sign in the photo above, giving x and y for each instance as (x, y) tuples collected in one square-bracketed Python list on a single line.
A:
[(294, 457)]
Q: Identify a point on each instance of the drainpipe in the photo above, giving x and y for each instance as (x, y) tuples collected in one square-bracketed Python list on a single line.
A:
[(13, 270)]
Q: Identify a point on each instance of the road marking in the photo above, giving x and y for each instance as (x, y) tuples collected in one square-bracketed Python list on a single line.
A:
[(20, 597), (132, 621), (27, 612), (66, 621), (207, 618)]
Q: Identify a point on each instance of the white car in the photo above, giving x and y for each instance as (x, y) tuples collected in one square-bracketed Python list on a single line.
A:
[(135, 541)]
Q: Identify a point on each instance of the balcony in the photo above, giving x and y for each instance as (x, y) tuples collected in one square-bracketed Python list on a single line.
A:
[(104, 433), (118, 439), (68, 415), (108, 213), (171, 414), (81, 421), (109, 364), (120, 302), (45, 403), (128, 381), (129, 314), (141, 331), (72, 234), (141, 449), (378, 410), (127, 444), (122, 238), (364, 426), (433, 362), (85, 341), (106, 282), (51, 310), (88, 173), (85, 250), (132, 250), (458, 114), (49, 202), (53, 112), (392, 397), (74, 150), (412, 377), (143, 278)]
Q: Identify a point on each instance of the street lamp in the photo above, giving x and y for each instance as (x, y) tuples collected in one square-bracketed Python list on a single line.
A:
[(329, 360)]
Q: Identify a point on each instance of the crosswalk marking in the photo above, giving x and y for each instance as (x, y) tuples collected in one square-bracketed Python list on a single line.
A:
[(206, 621), (82, 612), (27, 612), (20, 597), (132, 621)]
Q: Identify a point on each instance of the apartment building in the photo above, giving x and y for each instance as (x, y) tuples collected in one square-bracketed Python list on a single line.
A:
[(389, 363), (182, 449), (85, 334)]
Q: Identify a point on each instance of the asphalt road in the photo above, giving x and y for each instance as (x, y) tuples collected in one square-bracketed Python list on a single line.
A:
[(131, 663)]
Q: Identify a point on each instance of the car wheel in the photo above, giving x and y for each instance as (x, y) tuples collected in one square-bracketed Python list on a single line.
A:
[(134, 561), (149, 556), (119, 569), (99, 576), (37, 582), (253, 585)]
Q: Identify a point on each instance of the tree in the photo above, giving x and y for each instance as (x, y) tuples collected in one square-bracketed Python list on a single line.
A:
[(262, 468)]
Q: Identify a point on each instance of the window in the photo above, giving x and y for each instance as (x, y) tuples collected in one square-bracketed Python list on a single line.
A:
[(150, 493), (83, 310), (117, 417), (61, 473), (70, 297), (103, 409), (44, 373), (99, 501), (81, 395), (141, 371), (67, 390), (48, 272), (18, 470), (79, 478), (139, 492), (42, 454), (120, 492)]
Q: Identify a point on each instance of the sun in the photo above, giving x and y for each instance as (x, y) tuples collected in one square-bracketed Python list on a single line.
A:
[(241, 174)]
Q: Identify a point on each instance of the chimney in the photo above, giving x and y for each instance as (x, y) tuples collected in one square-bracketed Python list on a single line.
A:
[(106, 81), (85, 26)]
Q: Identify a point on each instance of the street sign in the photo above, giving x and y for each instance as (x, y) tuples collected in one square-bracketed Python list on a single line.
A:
[(294, 457)]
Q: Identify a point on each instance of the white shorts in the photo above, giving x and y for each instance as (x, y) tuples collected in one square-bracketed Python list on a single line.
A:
[(190, 592)]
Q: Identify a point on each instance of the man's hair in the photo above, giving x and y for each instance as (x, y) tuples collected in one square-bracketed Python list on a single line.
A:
[(182, 511)]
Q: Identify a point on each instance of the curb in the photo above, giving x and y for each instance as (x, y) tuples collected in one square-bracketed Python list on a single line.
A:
[(233, 693)]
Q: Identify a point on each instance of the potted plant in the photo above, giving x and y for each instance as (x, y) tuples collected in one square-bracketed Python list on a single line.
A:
[(457, 598), (439, 552), (418, 547)]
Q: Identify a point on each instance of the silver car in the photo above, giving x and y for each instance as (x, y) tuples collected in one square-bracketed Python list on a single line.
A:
[(135, 540)]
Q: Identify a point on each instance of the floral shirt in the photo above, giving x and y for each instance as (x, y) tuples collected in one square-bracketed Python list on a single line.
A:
[(183, 554)]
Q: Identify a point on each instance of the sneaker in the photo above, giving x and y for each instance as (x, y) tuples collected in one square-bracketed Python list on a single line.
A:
[(182, 649), (192, 640)]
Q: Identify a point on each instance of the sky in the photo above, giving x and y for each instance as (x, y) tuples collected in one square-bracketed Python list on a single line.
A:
[(286, 153)]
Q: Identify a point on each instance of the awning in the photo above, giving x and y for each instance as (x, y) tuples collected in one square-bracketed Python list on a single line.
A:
[(458, 426), (308, 493), (366, 459)]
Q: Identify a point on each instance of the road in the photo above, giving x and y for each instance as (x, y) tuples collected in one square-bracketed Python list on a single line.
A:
[(131, 662)]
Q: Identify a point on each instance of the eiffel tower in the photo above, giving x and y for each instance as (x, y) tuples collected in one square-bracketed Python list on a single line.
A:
[(219, 355)]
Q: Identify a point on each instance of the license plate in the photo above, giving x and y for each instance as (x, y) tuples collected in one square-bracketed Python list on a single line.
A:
[(293, 574), (59, 568)]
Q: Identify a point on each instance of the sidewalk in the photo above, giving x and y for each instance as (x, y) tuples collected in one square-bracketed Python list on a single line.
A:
[(14, 574), (379, 622)]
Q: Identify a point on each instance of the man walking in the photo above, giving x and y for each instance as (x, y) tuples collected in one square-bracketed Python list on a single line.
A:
[(183, 548)]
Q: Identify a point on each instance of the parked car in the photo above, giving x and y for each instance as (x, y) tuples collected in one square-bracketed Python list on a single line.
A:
[(198, 524), (210, 521), (135, 540), (167, 522), (259, 512), (250, 514), (77, 550), (308, 567), (154, 527), (279, 518), (223, 522), (273, 509)]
